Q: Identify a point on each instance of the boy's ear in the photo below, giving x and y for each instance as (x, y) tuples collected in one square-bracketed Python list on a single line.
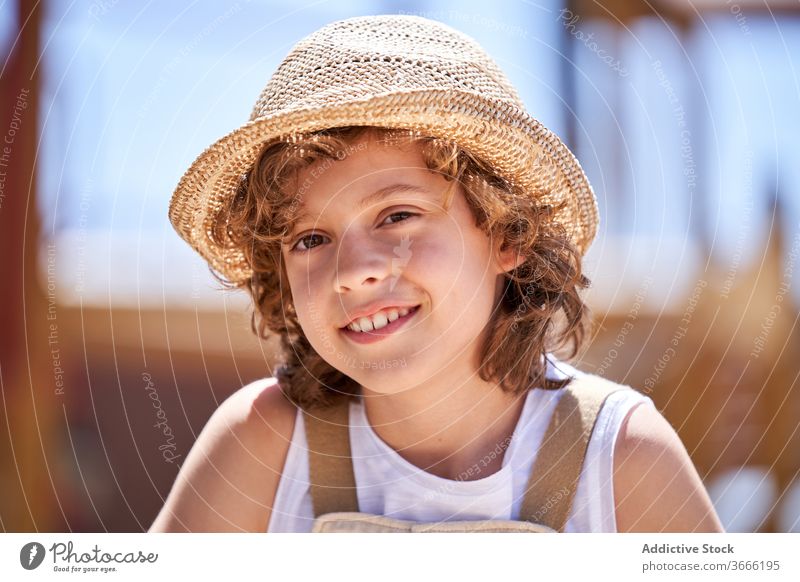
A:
[(508, 258)]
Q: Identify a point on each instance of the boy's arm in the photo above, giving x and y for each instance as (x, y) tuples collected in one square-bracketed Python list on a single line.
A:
[(229, 478), (656, 486)]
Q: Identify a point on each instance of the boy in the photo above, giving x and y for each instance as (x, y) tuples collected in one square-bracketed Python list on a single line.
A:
[(415, 239)]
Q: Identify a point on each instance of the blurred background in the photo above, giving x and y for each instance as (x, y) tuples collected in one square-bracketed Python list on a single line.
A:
[(116, 344)]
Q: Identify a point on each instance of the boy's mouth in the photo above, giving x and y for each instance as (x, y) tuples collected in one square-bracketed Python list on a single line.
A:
[(379, 319), (374, 335)]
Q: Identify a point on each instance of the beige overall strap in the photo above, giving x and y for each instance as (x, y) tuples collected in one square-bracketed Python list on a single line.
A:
[(333, 484), (554, 476)]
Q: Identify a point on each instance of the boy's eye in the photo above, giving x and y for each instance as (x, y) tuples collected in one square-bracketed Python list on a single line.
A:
[(402, 212), (303, 239)]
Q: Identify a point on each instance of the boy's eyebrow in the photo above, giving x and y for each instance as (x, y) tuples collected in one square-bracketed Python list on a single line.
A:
[(377, 196), (387, 191)]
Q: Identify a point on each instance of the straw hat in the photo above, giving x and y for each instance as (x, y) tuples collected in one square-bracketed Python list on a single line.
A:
[(394, 71)]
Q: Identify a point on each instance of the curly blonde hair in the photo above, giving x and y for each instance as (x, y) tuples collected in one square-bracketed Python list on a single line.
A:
[(539, 292)]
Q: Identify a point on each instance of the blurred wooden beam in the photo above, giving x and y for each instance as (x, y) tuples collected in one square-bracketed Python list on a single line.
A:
[(733, 5), (31, 410), (681, 12), (624, 12)]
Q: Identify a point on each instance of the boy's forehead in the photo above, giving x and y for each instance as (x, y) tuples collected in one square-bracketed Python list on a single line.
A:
[(373, 168)]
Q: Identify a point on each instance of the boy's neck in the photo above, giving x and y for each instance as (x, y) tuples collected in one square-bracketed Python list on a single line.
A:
[(456, 433)]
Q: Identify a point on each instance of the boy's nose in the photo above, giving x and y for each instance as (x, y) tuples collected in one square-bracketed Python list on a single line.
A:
[(363, 260)]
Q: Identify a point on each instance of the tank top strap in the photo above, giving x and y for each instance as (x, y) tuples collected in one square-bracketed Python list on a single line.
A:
[(554, 476), (330, 465)]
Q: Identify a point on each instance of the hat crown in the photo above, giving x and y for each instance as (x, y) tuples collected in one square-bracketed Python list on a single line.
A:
[(363, 57)]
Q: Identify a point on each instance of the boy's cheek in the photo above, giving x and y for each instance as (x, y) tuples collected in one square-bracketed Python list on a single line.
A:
[(464, 262)]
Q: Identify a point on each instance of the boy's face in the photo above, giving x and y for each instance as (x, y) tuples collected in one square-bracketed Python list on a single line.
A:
[(404, 249)]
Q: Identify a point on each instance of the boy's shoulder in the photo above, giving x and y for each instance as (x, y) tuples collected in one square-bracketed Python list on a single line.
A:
[(229, 479), (656, 485), (262, 410)]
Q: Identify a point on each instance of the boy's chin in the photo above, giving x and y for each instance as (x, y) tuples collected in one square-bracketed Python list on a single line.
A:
[(382, 390), (383, 382)]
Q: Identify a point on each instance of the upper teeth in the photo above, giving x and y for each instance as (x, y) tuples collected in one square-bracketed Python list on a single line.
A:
[(378, 320)]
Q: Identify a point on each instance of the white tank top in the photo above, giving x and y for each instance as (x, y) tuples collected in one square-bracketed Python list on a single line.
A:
[(389, 485)]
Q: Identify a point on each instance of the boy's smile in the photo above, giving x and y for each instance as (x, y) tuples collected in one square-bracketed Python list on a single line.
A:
[(375, 240), (383, 325)]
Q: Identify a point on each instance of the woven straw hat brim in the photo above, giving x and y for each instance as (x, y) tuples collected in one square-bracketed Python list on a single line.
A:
[(496, 131)]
